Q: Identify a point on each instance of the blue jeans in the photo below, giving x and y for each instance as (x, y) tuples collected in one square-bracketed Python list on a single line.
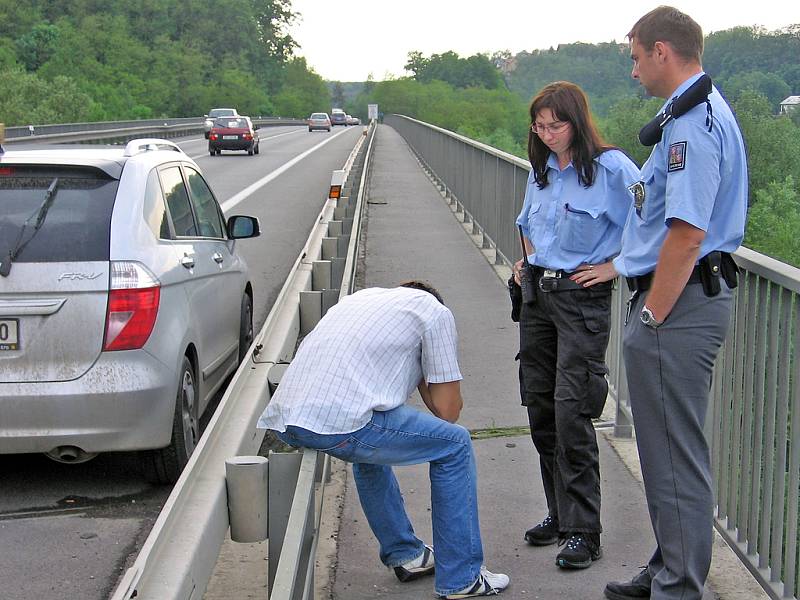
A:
[(406, 436)]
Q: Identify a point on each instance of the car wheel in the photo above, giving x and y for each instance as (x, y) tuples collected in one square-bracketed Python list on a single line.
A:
[(206, 135), (211, 151), (256, 149), (310, 130), (245, 327), (250, 151), (328, 130), (164, 465), (219, 152)]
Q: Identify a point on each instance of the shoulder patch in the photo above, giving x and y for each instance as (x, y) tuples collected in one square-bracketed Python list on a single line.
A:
[(677, 156)]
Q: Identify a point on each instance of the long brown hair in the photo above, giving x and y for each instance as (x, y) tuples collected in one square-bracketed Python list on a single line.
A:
[(568, 103)]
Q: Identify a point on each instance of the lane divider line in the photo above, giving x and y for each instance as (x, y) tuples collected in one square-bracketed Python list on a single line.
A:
[(250, 189)]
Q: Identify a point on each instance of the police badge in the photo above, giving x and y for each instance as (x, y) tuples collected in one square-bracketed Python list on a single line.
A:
[(637, 189)]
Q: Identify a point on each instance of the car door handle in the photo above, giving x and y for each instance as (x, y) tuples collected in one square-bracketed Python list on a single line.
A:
[(217, 257), (187, 261)]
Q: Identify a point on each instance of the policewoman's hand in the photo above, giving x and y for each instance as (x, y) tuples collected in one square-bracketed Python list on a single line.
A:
[(589, 275)]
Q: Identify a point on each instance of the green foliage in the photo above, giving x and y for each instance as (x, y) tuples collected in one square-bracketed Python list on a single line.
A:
[(304, 92), (151, 58), (602, 70), (27, 99), (774, 220), (475, 71), (625, 118)]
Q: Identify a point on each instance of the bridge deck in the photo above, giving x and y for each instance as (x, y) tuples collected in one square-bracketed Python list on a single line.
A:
[(413, 233)]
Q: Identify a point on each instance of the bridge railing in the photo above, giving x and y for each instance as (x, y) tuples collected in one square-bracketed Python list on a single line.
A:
[(753, 423), (116, 131)]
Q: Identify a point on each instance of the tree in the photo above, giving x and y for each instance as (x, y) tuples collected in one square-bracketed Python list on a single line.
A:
[(303, 91), (774, 220)]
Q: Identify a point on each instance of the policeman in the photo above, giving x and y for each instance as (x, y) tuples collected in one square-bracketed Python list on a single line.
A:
[(688, 214)]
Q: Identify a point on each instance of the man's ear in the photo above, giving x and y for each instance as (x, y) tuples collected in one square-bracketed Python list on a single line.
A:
[(661, 50)]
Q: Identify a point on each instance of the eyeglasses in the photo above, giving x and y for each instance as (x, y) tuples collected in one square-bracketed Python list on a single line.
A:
[(553, 128)]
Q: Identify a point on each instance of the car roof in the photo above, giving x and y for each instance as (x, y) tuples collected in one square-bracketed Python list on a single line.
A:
[(109, 159)]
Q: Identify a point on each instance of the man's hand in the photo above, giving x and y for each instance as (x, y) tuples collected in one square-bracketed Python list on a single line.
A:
[(675, 263), (442, 399)]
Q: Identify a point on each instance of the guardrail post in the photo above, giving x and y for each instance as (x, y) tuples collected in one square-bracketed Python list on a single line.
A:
[(246, 479), (321, 275), (283, 472), (334, 228), (337, 271), (330, 248), (310, 310)]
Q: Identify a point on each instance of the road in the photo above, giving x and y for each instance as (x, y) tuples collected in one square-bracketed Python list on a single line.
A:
[(70, 531)]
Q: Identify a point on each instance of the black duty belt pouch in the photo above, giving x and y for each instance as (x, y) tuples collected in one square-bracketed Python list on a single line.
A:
[(730, 270), (710, 272), (715, 265), (516, 299)]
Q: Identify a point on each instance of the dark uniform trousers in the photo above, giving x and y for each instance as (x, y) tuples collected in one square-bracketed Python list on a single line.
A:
[(669, 373), (563, 339)]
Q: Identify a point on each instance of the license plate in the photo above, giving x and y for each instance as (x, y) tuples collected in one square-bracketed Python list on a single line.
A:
[(230, 137), (9, 334)]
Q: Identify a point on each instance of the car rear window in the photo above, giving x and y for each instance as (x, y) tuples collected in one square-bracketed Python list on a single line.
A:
[(228, 122), (221, 112), (77, 225), (319, 116)]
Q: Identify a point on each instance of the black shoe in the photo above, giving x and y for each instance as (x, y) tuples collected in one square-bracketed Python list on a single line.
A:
[(638, 587), (544, 534), (579, 551)]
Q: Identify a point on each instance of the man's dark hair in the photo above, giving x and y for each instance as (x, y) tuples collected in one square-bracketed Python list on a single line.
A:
[(417, 284), (668, 24)]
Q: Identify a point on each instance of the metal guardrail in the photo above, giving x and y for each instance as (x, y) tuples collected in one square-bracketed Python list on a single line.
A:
[(178, 557), (121, 131), (753, 426)]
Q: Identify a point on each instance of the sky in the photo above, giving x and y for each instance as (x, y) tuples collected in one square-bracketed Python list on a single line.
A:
[(348, 40)]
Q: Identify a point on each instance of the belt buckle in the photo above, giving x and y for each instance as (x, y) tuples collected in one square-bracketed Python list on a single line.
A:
[(551, 273), (548, 284)]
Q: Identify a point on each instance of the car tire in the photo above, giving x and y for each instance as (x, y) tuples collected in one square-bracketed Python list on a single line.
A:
[(310, 130), (211, 152), (256, 149), (245, 327), (250, 151), (206, 135), (164, 465), (328, 130)]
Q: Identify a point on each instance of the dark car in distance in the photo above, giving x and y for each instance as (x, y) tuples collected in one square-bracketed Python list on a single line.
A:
[(233, 133), (338, 117)]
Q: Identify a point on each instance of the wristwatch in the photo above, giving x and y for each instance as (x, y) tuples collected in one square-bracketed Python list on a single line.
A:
[(648, 319)]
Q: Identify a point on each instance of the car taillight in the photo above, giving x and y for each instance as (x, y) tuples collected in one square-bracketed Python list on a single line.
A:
[(248, 136), (133, 300), (212, 136)]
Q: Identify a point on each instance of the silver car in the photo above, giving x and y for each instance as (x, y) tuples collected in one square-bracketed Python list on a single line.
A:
[(124, 304), (214, 114)]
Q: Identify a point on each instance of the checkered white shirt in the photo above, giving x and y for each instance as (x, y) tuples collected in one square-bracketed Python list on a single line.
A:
[(369, 352)]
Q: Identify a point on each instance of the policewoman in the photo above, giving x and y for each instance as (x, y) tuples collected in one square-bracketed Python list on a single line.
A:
[(687, 215), (575, 207)]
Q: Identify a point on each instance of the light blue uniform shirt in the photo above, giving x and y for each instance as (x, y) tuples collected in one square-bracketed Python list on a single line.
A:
[(695, 175), (569, 224)]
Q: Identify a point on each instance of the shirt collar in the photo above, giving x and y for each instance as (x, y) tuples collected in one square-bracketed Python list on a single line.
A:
[(682, 88)]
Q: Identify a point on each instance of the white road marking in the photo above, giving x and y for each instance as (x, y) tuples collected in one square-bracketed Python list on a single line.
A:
[(237, 198)]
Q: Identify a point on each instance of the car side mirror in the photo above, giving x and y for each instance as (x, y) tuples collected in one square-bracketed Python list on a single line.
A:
[(241, 227)]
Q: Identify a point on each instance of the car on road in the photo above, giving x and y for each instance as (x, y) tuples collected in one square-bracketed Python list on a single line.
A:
[(125, 303), (233, 133), (338, 117), (319, 121), (353, 120), (215, 113)]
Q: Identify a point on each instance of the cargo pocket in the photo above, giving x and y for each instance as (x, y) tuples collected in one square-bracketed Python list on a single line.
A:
[(595, 306), (596, 389)]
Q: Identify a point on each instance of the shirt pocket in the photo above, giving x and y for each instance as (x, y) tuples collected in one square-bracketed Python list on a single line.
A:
[(581, 228)]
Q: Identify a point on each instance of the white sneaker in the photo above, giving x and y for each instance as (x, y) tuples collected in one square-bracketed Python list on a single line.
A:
[(487, 584), (416, 568)]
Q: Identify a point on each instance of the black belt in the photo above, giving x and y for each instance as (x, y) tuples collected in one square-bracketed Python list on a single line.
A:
[(642, 283), (554, 280)]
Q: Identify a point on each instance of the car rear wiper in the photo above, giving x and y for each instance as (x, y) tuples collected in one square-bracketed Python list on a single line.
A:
[(40, 214)]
